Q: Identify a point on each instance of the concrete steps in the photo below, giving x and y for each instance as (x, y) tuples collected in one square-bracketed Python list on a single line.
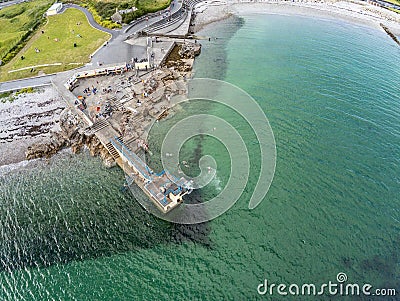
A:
[(166, 22), (179, 16), (174, 26), (97, 126), (117, 106), (113, 152), (192, 3), (129, 141)]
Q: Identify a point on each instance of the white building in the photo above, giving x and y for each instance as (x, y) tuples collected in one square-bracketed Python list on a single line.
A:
[(54, 9)]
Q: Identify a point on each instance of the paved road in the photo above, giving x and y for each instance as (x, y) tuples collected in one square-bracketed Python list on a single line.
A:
[(387, 4), (116, 51), (90, 18), (27, 82), (9, 3), (128, 29), (174, 7)]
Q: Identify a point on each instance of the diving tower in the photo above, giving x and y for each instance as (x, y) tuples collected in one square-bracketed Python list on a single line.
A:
[(165, 193)]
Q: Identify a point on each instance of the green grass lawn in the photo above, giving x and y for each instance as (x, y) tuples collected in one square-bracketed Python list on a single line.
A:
[(153, 5), (56, 45), (104, 9), (17, 20), (145, 4)]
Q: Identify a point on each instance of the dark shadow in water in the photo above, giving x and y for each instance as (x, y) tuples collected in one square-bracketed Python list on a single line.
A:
[(212, 62), (40, 230), (386, 267), (40, 235), (198, 233), (64, 211)]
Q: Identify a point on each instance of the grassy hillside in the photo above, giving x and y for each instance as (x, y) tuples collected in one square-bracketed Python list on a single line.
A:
[(104, 9), (17, 24), (56, 46)]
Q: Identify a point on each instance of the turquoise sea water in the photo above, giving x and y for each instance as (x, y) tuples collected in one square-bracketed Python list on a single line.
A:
[(331, 93)]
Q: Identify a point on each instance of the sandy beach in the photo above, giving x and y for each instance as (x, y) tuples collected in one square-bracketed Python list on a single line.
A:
[(31, 117), (359, 12)]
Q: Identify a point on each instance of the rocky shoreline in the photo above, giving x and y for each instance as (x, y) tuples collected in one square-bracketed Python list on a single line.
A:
[(36, 125), (70, 136), (25, 119), (72, 131)]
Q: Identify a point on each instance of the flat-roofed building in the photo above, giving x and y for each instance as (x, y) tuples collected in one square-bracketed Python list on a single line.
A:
[(54, 9)]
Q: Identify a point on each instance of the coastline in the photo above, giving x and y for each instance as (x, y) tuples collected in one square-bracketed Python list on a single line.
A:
[(72, 228), (30, 118), (207, 15), (16, 142), (356, 12)]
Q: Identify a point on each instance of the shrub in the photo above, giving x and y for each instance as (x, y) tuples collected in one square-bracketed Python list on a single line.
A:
[(25, 90), (6, 96)]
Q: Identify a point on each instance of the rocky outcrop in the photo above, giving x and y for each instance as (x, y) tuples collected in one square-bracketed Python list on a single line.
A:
[(150, 85), (181, 58), (189, 50), (71, 135), (27, 118), (158, 86), (390, 34), (182, 66)]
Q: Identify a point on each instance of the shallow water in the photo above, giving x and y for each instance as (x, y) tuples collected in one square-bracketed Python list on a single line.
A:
[(330, 91)]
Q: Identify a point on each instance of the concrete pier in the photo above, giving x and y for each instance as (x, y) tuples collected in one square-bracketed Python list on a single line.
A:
[(119, 102)]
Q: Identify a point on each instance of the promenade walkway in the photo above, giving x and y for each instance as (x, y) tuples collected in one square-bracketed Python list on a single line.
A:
[(33, 82), (115, 51)]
